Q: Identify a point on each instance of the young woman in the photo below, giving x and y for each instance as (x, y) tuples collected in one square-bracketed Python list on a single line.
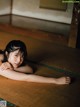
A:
[(14, 65)]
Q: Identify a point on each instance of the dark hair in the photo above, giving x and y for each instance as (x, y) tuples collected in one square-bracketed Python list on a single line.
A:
[(15, 45), (1, 52)]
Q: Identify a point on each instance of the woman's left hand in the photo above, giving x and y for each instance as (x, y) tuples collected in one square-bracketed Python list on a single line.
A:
[(5, 66)]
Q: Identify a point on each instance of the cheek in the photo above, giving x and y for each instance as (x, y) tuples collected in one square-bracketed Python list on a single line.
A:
[(10, 58)]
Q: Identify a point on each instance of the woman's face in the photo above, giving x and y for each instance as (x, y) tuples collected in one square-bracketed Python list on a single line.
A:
[(15, 58)]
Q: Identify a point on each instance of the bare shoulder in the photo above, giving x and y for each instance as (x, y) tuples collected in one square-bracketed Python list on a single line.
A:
[(25, 69), (28, 68)]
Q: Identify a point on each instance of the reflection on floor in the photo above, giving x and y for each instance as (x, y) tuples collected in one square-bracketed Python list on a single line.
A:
[(44, 36)]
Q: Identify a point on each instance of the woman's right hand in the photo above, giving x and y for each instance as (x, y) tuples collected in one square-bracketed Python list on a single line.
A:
[(5, 66)]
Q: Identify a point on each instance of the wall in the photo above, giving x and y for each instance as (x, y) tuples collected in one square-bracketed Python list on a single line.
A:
[(30, 8), (5, 7)]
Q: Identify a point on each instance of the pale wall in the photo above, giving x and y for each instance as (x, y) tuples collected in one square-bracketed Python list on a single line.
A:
[(30, 8), (4, 7)]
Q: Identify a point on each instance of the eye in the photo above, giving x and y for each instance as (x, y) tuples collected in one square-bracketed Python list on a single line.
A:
[(16, 55)]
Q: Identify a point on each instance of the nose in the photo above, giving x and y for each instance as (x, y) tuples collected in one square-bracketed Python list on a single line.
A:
[(18, 60)]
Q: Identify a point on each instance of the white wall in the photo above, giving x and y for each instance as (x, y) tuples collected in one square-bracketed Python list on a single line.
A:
[(30, 8), (4, 7)]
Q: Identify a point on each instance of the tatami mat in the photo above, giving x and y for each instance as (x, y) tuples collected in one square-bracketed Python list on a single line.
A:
[(25, 94), (49, 58)]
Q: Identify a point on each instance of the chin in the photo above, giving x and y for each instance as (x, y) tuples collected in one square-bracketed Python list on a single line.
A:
[(15, 66)]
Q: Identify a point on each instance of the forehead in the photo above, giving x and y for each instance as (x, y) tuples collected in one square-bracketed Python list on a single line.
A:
[(18, 52)]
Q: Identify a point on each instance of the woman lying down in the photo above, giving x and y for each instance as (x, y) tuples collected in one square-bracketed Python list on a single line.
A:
[(14, 65)]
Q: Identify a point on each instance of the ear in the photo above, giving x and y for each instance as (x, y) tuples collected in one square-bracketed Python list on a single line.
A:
[(6, 53)]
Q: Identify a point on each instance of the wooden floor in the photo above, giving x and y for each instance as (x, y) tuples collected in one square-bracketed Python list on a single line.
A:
[(50, 58), (42, 35)]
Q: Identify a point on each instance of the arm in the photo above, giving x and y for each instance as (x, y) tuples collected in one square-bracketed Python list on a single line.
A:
[(24, 69), (11, 74)]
